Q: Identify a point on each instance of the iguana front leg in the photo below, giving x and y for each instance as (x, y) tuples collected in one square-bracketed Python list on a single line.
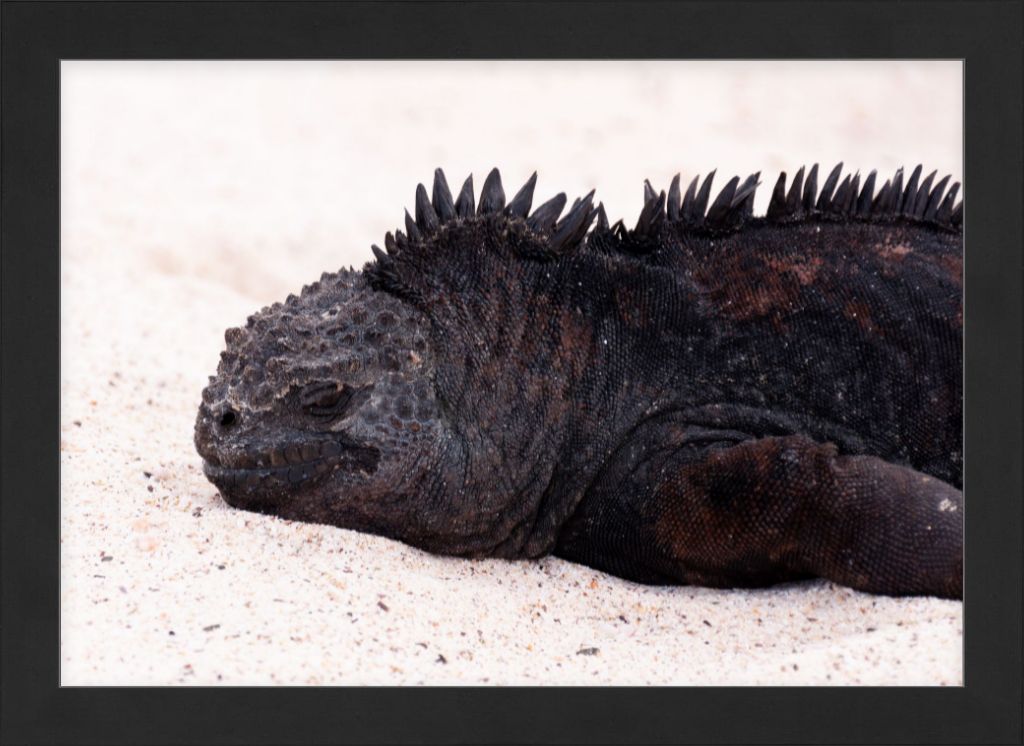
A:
[(772, 509)]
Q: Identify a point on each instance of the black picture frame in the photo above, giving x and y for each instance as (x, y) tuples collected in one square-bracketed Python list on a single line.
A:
[(37, 35)]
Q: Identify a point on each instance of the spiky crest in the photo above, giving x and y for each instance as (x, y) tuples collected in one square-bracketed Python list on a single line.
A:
[(556, 234), (733, 207), (730, 211)]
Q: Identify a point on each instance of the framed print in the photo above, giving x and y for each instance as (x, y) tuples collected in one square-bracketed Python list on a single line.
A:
[(265, 481)]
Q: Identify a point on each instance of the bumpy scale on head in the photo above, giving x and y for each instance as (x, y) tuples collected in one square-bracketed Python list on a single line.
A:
[(319, 400)]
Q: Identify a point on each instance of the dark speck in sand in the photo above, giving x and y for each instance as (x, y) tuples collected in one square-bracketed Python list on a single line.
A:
[(382, 605), (441, 659), (588, 651), (78, 423), (706, 622), (147, 474)]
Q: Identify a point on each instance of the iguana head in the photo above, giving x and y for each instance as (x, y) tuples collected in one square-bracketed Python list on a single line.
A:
[(419, 398), (323, 407)]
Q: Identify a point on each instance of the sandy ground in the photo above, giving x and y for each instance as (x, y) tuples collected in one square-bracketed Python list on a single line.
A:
[(193, 194)]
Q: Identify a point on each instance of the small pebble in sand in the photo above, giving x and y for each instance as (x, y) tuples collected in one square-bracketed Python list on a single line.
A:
[(588, 651)]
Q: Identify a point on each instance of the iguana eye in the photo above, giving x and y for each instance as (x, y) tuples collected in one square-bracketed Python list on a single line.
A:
[(326, 400)]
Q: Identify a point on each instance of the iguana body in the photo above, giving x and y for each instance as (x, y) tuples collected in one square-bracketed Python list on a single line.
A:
[(709, 398)]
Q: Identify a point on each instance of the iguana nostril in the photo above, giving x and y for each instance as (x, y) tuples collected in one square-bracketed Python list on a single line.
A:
[(228, 418)]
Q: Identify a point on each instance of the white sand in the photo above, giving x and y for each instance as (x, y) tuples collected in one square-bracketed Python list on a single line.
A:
[(193, 194)]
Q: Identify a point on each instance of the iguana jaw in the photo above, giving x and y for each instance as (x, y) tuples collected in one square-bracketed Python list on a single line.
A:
[(254, 471)]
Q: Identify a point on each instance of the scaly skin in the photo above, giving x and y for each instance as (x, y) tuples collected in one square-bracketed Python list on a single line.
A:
[(710, 398)]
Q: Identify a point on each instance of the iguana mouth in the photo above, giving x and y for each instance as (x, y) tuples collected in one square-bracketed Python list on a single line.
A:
[(256, 470)]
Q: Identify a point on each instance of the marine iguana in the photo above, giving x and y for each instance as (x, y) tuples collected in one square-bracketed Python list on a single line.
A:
[(709, 398)]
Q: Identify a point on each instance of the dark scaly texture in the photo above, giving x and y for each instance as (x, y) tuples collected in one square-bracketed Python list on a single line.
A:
[(710, 398)]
